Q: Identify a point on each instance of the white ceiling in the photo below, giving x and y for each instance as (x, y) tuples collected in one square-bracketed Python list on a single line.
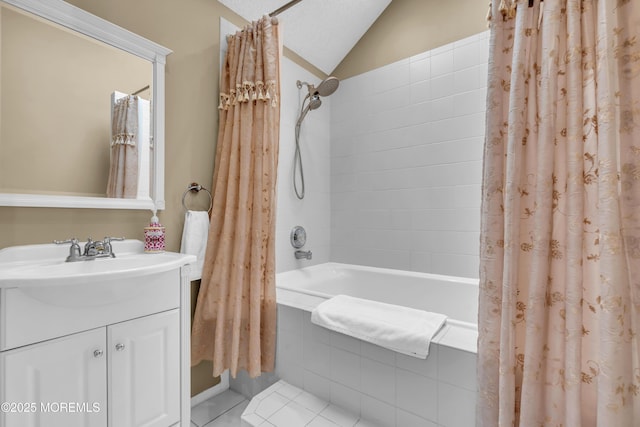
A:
[(320, 31)]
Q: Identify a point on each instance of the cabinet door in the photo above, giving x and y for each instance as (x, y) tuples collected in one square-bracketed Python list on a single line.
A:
[(144, 371), (56, 383)]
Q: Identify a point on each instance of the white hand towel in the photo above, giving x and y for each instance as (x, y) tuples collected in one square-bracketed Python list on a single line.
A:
[(194, 239), (402, 329)]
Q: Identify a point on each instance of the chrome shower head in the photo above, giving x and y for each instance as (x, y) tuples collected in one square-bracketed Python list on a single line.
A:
[(328, 86), (325, 88), (314, 103)]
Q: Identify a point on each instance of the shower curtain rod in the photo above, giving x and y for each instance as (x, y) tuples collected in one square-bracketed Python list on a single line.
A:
[(140, 90), (284, 7)]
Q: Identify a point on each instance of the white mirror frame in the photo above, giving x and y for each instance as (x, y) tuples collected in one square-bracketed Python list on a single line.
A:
[(90, 25)]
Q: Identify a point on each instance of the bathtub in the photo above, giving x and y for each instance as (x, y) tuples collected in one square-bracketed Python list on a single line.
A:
[(388, 388)]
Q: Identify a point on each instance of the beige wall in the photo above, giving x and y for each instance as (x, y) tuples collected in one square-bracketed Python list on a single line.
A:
[(56, 106), (409, 27)]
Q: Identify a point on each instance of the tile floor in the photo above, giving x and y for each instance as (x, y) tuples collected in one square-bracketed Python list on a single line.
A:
[(223, 410), (226, 409), (285, 405)]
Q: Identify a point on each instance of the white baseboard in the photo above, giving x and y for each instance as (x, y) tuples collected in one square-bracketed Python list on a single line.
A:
[(222, 386)]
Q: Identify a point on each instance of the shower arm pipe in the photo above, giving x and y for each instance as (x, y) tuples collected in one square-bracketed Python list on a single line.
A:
[(284, 7)]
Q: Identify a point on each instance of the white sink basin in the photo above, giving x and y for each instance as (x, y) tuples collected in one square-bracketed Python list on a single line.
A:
[(44, 265)]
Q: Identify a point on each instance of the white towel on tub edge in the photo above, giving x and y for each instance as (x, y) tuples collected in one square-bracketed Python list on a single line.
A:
[(402, 329)]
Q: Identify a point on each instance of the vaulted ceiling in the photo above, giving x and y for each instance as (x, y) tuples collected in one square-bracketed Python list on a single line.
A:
[(320, 31)]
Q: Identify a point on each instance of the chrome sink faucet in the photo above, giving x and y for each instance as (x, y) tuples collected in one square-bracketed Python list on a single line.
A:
[(92, 249)]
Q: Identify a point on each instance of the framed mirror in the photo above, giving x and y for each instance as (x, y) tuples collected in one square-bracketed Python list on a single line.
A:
[(82, 110)]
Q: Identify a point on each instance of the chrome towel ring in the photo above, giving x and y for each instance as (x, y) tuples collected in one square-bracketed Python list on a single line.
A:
[(194, 187)]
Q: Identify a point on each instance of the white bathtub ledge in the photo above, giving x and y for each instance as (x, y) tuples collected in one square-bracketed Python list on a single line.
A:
[(298, 300), (454, 334), (459, 336), (306, 288)]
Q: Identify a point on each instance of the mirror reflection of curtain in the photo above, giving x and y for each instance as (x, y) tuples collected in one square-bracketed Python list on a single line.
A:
[(235, 317), (123, 172)]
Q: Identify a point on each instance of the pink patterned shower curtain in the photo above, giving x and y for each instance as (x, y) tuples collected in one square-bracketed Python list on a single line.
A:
[(235, 318), (560, 238)]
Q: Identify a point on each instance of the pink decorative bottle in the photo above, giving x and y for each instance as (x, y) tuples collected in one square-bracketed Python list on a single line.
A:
[(154, 236)]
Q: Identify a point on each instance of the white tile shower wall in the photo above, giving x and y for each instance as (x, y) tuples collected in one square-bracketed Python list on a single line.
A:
[(406, 162), (313, 212), (380, 385)]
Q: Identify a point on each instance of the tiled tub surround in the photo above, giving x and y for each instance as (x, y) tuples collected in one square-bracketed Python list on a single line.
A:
[(406, 162), (379, 385)]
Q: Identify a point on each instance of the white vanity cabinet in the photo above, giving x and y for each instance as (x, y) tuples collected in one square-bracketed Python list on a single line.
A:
[(68, 369), (144, 362), (101, 343), (130, 371)]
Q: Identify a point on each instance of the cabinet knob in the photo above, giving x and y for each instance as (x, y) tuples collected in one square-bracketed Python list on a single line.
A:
[(119, 347), (98, 353)]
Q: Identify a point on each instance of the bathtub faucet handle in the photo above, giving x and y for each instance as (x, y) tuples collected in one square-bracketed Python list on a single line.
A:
[(303, 254)]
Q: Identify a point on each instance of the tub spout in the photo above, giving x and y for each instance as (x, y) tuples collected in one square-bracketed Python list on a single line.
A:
[(303, 254)]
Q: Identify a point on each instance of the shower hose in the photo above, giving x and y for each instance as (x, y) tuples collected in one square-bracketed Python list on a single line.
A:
[(297, 164)]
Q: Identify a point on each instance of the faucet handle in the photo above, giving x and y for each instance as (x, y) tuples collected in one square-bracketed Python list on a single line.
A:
[(72, 240), (74, 250), (108, 249)]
